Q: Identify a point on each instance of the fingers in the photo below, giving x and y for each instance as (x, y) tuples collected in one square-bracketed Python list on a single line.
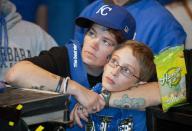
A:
[(77, 118), (72, 115), (83, 114)]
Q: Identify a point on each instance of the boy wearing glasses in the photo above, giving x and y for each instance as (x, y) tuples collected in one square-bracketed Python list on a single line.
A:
[(130, 64)]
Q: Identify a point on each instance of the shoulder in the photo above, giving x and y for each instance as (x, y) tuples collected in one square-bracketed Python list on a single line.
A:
[(29, 28), (57, 51), (91, 7), (55, 60), (149, 10), (28, 24)]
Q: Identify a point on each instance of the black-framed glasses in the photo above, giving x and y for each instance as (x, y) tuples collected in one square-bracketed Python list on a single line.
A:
[(125, 71)]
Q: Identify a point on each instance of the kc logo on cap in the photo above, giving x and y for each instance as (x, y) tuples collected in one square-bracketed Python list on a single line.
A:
[(103, 10)]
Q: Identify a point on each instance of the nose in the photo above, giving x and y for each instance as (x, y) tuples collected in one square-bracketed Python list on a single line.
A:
[(95, 44), (115, 71)]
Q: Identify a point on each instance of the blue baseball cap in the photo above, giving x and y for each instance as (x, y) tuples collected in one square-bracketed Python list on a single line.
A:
[(110, 16)]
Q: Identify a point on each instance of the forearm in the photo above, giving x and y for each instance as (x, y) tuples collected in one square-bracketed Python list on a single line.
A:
[(136, 98), (25, 74)]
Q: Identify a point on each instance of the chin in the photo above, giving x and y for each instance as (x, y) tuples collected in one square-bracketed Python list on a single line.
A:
[(108, 87), (88, 61)]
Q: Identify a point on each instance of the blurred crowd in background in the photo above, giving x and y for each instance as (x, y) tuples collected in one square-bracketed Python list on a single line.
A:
[(57, 16)]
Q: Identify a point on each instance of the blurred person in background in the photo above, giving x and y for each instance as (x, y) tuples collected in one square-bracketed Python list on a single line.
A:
[(61, 18), (23, 39), (182, 10), (54, 16), (33, 10)]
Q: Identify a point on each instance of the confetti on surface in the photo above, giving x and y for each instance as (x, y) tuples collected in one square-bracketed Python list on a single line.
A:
[(19, 107), (40, 128), (11, 123)]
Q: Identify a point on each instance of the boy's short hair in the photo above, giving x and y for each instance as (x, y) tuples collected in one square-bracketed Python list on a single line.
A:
[(144, 56)]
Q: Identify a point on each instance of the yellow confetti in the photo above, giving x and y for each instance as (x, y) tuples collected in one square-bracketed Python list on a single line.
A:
[(19, 107), (40, 128), (11, 123)]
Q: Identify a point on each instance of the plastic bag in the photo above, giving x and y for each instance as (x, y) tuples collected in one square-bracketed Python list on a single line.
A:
[(171, 70)]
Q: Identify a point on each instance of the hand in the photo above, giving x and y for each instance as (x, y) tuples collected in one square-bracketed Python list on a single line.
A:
[(92, 101), (78, 113), (97, 107)]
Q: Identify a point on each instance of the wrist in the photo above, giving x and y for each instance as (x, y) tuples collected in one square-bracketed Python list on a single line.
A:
[(62, 86), (73, 88), (106, 95)]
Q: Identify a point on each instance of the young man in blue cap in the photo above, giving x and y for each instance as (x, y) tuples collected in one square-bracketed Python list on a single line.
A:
[(109, 26)]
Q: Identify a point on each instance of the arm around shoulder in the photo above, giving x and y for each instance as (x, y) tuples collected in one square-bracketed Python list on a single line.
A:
[(137, 98)]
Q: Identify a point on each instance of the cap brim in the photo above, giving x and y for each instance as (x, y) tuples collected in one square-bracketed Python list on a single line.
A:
[(83, 22)]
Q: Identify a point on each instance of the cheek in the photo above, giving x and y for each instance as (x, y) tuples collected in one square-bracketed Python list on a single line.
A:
[(125, 83), (107, 70), (86, 42), (104, 54), (102, 57)]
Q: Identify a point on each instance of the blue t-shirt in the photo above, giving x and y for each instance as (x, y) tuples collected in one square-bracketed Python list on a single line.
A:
[(28, 8), (113, 119), (155, 26)]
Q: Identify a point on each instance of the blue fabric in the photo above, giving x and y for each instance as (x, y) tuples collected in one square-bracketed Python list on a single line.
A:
[(61, 18), (28, 8), (165, 2), (76, 67), (116, 118), (155, 26), (3, 39)]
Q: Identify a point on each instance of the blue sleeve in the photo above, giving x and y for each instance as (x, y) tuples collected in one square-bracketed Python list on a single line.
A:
[(172, 35), (97, 88)]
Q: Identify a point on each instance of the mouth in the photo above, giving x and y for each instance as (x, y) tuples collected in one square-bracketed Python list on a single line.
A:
[(89, 54), (109, 80)]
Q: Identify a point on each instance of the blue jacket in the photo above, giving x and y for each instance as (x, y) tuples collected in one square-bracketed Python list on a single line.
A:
[(113, 119)]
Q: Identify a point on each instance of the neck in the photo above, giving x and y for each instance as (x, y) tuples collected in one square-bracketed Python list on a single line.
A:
[(94, 71)]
